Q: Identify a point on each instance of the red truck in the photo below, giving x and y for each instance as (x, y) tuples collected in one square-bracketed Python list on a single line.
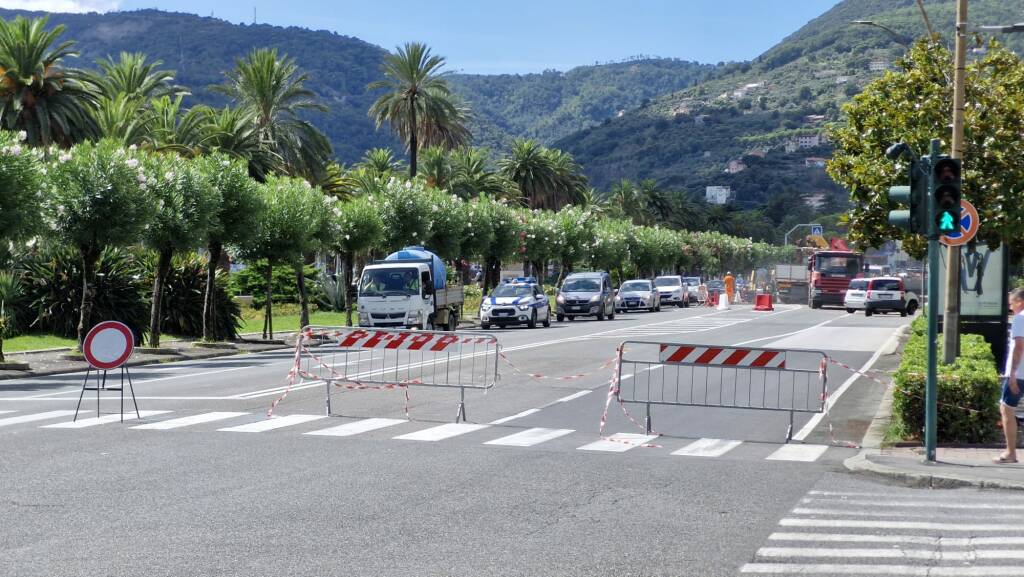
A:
[(830, 274)]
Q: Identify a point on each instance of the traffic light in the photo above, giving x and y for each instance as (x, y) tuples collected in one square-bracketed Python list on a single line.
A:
[(914, 219), (946, 195)]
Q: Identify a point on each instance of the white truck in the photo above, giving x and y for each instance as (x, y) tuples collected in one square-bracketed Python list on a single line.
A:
[(409, 289), (791, 282)]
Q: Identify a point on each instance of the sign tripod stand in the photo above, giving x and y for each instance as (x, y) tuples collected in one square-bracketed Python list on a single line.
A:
[(107, 346)]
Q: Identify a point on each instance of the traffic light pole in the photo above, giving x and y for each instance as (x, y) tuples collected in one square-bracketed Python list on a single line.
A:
[(931, 385)]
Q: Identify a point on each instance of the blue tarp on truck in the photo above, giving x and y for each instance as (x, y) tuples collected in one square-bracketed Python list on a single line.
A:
[(419, 253)]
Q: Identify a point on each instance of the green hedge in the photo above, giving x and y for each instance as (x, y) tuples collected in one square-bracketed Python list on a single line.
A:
[(252, 281), (972, 382)]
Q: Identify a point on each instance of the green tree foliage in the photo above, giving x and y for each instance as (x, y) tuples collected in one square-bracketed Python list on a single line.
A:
[(93, 200), (51, 102), (187, 205), (914, 105), (547, 178), (417, 102), (405, 213), (130, 75), (20, 186), (357, 229)]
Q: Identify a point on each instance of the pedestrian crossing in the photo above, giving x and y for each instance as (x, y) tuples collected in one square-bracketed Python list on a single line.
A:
[(491, 434), (684, 325), (897, 532)]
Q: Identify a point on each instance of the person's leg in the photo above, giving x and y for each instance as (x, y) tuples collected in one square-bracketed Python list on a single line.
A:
[(1009, 431)]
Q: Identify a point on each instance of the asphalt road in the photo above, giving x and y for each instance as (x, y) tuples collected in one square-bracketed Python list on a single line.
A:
[(205, 484)]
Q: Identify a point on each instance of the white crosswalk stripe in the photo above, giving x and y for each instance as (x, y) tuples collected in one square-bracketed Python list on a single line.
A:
[(530, 437), (619, 442), (708, 448), (441, 432), (190, 420), (804, 453), (31, 418), (966, 534), (357, 427), (273, 423), (93, 421)]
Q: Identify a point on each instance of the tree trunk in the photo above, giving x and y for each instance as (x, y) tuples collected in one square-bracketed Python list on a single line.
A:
[(89, 258), (268, 311), (163, 266), (211, 332), (413, 137), (300, 283)]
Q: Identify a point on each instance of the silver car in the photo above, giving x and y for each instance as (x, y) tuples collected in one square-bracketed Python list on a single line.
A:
[(638, 294), (673, 290)]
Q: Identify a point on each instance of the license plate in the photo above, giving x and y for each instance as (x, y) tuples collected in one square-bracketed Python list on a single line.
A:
[(885, 295)]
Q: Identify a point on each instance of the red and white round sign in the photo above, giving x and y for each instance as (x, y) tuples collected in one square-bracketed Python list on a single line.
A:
[(108, 345)]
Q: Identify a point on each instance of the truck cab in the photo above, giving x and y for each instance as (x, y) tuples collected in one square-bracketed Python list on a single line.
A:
[(831, 272), (410, 292)]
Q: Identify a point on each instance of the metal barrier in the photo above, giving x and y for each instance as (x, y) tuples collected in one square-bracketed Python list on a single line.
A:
[(372, 358), (690, 375)]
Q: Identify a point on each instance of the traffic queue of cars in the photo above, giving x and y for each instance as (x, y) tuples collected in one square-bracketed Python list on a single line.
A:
[(522, 301)]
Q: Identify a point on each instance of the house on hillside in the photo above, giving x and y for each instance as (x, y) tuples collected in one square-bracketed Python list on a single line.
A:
[(843, 79), (699, 119), (735, 166), (808, 140), (815, 200), (759, 152), (814, 118), (719, 194), (815, 162), (878, 65)]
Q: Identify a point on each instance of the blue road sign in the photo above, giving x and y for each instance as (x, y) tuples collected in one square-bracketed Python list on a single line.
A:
[(817, 230)]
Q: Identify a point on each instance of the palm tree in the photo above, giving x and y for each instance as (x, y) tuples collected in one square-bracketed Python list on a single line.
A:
[(624, 198), (38, 94), (471, 175), (181, 132), (569, 179), (530, 167), (417, 102), (274, 91), (379, 162), (656, 202), (136, 79), (436, 167), (688, 212), (123, 118), (233, 131)]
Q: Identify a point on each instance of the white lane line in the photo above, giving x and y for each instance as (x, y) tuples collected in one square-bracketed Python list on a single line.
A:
[(960, 497), (34, 417), (190, 420), (204, 373), (923, 554), (913, 504), (810, 328), (618, 443), (933, 515), (442, 432), (5, 412), (525, 413), (914, 570), (833, 398), (273, 423), (92, 422), (573, 396), (908, 539), (55, 393), (138, 397), (708, 448), (357, 427), (530, 437), (922, 525), (803, 453)]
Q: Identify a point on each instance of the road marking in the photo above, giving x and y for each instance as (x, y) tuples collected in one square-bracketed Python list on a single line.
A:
[(933, 515), (191, 420), (805, 453), (574, 396), (909, 539), (92, 422), (960, 498), (833, 398), (205, 373), (810, 328), (924, 554), (442, 432), (273, 423), (926, 504), (860, 524), (34, 417), (357, 427), (5, 412), (708, 448), (530, 437), (618, 443), (525, 413), (833, 569)]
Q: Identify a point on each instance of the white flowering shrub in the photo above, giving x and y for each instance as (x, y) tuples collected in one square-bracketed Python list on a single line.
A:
[(405, 213), (21, 181)]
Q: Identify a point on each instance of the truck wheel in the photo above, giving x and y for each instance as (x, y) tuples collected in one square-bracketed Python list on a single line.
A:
[(559, 318), (532, 323)]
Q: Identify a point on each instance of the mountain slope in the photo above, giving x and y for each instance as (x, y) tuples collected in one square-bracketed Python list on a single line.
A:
[(749, 112)]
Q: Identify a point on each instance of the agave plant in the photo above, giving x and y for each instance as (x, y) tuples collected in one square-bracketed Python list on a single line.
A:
[(331, 293)]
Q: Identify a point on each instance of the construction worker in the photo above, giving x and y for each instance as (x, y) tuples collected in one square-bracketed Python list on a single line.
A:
[(730, 286)]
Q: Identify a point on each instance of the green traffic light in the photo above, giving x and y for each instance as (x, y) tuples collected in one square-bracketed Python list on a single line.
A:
[(947, 223)]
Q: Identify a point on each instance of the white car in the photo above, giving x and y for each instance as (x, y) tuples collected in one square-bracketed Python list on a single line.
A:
[(673, 291), (638, 294), (517, 302), (882, 294)]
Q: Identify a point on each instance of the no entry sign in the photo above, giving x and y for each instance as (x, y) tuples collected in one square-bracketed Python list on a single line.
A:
[(108, 345)]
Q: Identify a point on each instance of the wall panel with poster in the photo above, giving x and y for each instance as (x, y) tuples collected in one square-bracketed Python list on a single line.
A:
[(983, 293)]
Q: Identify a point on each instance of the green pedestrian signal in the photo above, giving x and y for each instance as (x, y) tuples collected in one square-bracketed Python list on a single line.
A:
[(946, 172)]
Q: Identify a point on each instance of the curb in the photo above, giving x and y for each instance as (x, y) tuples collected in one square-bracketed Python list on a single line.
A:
[(860, 463)]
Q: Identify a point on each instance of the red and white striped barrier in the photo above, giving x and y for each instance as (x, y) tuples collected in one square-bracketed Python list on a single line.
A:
[(403, 340), (723, 356)]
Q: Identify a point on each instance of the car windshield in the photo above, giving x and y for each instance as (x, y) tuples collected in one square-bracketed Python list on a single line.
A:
[(390, 282), (667, 281), (581, 285), (635, 286), (858, 285), (885, 285), (715, 284), (837, 264), (692, 281), (508, 290)]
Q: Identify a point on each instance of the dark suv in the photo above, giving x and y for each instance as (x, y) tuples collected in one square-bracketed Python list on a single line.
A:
[(586, 294)]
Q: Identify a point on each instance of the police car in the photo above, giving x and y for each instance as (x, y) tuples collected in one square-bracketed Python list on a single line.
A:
[(517, 301)]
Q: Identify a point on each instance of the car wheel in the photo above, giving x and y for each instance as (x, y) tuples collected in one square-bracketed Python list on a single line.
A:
[(611, 315), (903, 312), (547, 320), (533, 320), (868, 312), (570, 317), (851, 311), (485, 326), (815, 305), (600, 315), (683, 305), (559, 318), (911, 307)]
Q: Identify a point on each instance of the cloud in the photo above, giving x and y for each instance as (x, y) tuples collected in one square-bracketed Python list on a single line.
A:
[(62, 5)]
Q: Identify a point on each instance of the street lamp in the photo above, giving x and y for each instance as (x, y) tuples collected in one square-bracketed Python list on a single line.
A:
[(896, 36), (1008, 29)]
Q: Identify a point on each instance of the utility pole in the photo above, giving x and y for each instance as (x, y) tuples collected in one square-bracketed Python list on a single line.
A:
[(951, 316)]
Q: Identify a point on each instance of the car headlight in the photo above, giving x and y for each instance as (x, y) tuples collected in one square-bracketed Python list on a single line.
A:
[(524, 307), (618, 299), (485, 306), (595, 298), (364, 318), (559, 299)]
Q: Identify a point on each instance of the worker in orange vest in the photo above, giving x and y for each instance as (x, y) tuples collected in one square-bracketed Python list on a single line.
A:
[(730, 286)]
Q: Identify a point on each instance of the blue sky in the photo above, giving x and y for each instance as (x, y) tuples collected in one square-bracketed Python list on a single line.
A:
[(521, 36)]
